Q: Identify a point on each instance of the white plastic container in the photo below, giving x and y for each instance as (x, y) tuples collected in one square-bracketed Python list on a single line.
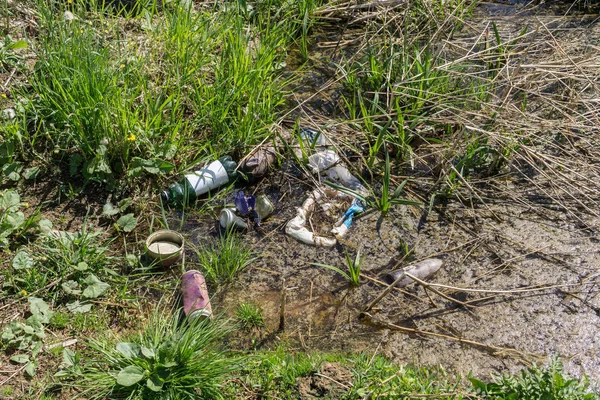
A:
[(208, 178)]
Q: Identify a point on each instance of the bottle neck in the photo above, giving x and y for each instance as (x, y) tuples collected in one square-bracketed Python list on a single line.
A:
[(229, 165)]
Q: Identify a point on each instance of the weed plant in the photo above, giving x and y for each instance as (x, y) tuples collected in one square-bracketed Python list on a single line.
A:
[(13, 223), (250, 316), (353, 274), (535, 383), (68, 267), (223, 259), (173, 358), (279, 374), (384, 201)]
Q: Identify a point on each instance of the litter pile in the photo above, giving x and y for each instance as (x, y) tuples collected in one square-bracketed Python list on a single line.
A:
[(336, 189)]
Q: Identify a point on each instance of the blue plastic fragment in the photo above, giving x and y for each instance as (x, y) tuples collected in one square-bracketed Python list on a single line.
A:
[(356, 207), (241, 204), (251, 200), (245, 206)]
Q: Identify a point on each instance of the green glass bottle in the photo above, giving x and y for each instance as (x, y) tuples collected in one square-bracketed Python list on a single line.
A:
[(197, 183)]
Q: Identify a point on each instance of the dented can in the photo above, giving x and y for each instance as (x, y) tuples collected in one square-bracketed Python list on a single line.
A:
[(196, 303), (264, 206)]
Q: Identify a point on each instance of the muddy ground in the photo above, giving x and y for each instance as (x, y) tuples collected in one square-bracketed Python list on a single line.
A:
[(521, 238), (519, 250)]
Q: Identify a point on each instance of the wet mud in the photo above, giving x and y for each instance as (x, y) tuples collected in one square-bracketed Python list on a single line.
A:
[(521, 239), (504, 251), (513, 250)]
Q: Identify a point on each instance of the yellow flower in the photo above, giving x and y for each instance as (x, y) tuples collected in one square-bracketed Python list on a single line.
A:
[(23, 292), (131, 138), (3, 95), (26, 204)]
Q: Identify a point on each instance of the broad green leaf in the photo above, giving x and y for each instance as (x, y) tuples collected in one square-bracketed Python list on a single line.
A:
[(7, 151), (39, 308), (12, 171), (109, 209), (22, 260), (30, 368), (82, 266), (35, 322), (91, 279), (154, 383), (127, 222), (129, 350), (68, 358), (147, 352), (98, 166), (123, 204), (25, 343), (19, 44), (20, 358), (7, 333), (35, 350), (15, 220), (10, 199), (71, 287), (152, 166), (130, 375), (45, 226), (95, 290), (31, 173), (77, 307)]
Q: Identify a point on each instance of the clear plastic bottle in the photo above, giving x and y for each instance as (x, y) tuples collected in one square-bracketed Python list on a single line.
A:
[(195, 184)]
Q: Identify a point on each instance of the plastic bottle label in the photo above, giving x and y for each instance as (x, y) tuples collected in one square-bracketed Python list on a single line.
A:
[(211, 177)]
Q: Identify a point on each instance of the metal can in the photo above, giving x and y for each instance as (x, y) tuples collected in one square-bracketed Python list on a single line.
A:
[(228, 218), (264, 207), (196, 302)]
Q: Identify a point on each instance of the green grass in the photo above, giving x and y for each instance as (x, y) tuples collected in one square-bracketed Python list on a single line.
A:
[(279, 373), (98, 105), (223, 259), (535, 383), (353, 274), (172, 358), (250, 316)]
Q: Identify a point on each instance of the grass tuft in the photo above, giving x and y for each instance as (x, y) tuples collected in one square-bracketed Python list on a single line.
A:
[(250, 316), (223, 259), (171, 359)]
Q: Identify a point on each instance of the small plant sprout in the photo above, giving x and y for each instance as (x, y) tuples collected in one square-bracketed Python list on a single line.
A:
[(250, 316), (353, 274)]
